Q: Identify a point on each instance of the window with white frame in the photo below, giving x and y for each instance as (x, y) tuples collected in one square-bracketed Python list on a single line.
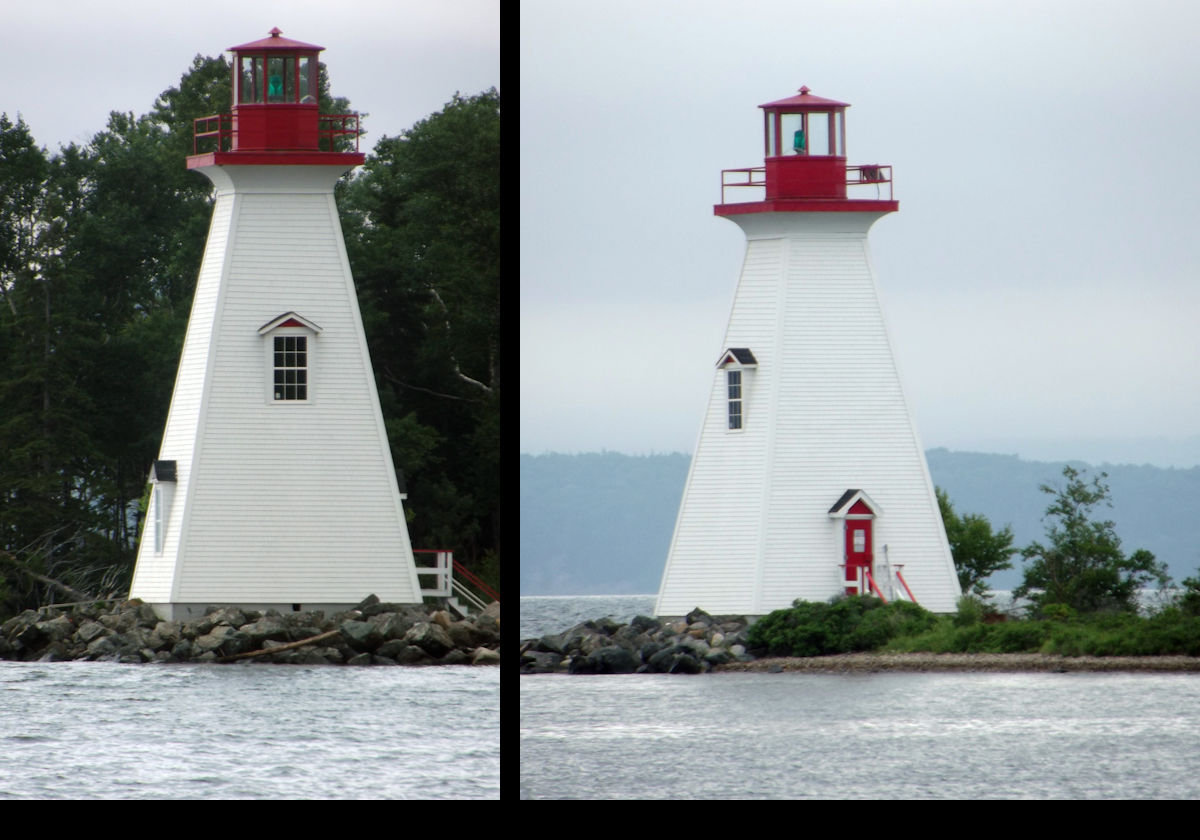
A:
[(159, 525), (291, 367), (734, 384)]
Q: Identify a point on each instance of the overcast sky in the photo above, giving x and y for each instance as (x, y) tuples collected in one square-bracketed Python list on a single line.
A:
[(65, 64), (1041, 280)]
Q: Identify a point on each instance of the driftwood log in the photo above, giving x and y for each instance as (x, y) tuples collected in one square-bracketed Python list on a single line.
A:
[(290, 645)]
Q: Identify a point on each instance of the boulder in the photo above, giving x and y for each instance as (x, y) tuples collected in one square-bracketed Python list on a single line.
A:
[(90, 630), (485, 656), (429, 637), (613, 660), (362, 636), (413, 655)]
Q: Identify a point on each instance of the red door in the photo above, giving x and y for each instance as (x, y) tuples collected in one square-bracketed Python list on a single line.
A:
[(858, 556)]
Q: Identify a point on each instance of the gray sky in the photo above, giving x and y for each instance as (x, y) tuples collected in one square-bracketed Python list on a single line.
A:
[(66, 64), (1040, 280)]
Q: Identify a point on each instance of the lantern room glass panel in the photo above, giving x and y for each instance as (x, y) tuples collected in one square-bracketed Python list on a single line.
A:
[(819, 131), (793, 135), (308, 79), (277, 79), (251, 83)]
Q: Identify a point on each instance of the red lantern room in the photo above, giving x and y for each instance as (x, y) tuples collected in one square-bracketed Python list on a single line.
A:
[(804, 167), (275, 118)]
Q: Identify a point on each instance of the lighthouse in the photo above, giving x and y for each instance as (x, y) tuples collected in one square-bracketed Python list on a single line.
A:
[(808, 480), (274, 486)]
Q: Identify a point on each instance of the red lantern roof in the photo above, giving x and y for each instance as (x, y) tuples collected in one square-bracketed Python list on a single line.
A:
[(805, 101), (275, 42)]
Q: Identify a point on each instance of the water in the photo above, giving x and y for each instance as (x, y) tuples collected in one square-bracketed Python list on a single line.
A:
[(868, 736), (542, 614), (96, 730)]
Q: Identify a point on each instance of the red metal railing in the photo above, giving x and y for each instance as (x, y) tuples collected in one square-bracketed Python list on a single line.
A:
[(874, 588), (750, 181), (856, 176), (219, 126), (219, 129), (904, 583), (474, 580), (332, 126)]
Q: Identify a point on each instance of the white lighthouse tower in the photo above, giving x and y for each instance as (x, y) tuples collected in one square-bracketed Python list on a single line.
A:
[(808, 479), (274, 487)]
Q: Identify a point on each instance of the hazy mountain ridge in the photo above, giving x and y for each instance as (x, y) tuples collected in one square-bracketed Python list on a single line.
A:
[(601, 522)]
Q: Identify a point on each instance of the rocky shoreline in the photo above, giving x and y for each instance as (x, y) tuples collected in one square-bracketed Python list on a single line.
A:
[(701, 643), (695, 644), (373, 633)]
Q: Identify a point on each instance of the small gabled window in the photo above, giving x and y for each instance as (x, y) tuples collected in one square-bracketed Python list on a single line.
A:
[(289, 349), (739, 365)]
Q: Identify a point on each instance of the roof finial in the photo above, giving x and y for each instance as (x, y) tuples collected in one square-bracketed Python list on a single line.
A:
[(803, 90), (275, 32)]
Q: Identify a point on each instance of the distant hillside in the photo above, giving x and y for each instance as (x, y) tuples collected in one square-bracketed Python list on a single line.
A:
[(600, 523)]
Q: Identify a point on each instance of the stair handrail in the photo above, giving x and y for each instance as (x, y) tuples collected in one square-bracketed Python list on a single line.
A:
[(474, 580), (904, 583), (874, 588), (469, 596)]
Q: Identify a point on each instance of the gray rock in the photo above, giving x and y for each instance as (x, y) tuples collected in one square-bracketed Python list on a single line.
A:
[(541, 662), (455, 657), (413, 655), (699, 616), (56, 629), (391, 649), (228, 615), (224, 640), (90, 630), (430, 638), (485, 656), (101, 647), (370, 601), (613, 660), (269, 628), (392, 625), (362, 636), (645, 624)]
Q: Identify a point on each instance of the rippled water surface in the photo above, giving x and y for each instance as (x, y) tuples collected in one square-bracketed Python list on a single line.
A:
[(876, 736), (103, 730), (868, 736)]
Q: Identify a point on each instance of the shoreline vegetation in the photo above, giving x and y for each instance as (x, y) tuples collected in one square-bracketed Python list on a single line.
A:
[(862, 634)]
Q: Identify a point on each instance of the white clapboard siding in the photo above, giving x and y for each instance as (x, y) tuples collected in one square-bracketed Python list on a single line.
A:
[(824, 412), (277, 502)]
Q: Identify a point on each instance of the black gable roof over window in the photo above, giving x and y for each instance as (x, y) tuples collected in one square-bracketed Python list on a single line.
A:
[(741, 355)]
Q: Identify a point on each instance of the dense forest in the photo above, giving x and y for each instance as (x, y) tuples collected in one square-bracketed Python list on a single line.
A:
[(100, 246)]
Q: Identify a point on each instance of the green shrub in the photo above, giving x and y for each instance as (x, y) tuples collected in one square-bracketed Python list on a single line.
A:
[(1017, 637), (1058, 612), (845, 625), (971, 610)]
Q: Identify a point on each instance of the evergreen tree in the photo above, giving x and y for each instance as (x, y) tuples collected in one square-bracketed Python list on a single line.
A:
[(423, 233)]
